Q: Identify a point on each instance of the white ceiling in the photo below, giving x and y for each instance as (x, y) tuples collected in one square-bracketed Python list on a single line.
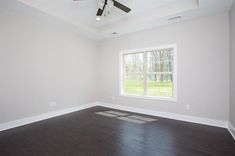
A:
[(145, 14)]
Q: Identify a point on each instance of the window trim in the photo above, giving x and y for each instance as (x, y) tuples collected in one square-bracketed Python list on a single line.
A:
[(123, 94)]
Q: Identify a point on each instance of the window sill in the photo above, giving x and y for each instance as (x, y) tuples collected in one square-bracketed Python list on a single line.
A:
[(170, 99)]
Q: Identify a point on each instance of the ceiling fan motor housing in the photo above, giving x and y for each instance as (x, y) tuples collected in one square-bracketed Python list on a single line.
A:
[(109, 4), (106, 5)]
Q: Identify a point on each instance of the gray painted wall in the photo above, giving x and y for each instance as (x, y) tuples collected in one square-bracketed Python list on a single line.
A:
[(42, 60), (203, 66), (232, 66)]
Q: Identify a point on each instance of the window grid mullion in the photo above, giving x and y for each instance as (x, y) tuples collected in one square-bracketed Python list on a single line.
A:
[(123, 77), (145, 74)]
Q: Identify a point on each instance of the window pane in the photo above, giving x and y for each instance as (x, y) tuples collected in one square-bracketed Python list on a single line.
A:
[(160, 73), (160, 61), (133, 63), (134, 84), (156, 87), (133, 73)]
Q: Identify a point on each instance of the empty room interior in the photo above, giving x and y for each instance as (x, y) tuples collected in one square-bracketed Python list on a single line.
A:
[(117, 78)]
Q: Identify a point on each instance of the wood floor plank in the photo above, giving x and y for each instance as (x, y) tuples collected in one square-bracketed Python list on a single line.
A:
[(146, 119), (106, 114), (132, 120), (117, 113)]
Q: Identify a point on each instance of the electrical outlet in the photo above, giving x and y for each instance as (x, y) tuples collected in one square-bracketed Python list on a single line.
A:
[(52, 103), (187, 107)]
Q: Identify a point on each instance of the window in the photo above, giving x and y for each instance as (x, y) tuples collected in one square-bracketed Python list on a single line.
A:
[(149, 73)]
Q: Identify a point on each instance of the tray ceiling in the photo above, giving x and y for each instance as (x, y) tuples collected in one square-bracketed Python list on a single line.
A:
[(145, 14)]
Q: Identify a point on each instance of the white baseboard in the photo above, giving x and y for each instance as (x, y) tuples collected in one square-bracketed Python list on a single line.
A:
[(28, 120), (193, 119), (231, 129)]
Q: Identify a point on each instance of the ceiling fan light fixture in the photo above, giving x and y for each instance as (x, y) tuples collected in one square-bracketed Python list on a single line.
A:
[(98, 18), (106, 5)]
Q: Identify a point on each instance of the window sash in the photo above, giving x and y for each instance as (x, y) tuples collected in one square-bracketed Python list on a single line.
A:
[(146, 72)]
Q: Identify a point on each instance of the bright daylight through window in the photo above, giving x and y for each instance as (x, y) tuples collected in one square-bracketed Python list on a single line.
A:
[(149, 73)]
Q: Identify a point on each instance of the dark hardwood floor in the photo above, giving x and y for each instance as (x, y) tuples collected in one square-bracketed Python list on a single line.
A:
[(84, 133)]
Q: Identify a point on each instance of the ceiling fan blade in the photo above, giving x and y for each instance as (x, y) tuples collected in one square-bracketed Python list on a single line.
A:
[(121, 6), (99, 12)]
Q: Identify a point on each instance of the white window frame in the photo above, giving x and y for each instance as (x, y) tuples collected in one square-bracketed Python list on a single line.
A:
[(121, 90)]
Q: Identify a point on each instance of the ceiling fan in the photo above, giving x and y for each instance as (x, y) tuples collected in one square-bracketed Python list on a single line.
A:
[(105, 5)]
